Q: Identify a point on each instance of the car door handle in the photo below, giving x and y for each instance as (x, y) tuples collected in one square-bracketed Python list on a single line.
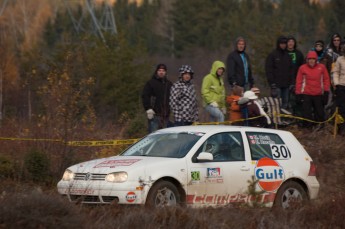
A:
[(245, 168)]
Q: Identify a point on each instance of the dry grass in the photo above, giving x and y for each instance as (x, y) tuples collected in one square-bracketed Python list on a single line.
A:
[(24, 205)]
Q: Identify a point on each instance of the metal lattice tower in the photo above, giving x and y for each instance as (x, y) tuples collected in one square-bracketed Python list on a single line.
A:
[(98, 24)]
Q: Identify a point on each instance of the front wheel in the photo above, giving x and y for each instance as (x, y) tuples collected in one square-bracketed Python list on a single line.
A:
[(289, 193), (162, 194)]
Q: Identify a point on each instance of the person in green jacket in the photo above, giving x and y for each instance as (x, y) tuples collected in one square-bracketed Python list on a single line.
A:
[(213, 92)]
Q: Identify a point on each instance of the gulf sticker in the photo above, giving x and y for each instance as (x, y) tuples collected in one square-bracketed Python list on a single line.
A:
[(114, 163), (131, 197), (269, 173)]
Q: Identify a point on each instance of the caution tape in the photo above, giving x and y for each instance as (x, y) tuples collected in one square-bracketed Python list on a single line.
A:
[(31, 139), (338, 119), (78, 143), (102, 143), (308, 120)]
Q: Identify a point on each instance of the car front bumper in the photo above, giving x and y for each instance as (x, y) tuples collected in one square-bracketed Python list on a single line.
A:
[(102, 192)]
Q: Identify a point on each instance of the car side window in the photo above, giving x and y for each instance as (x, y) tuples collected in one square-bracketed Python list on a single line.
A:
[(267, 145), (226, 146)]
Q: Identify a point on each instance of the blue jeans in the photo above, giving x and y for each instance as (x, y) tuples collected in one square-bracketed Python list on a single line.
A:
[(283, 93), (158, 122), (216, 114)]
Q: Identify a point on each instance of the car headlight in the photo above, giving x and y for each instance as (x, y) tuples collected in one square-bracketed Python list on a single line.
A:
[(117, 177), (68, 175)]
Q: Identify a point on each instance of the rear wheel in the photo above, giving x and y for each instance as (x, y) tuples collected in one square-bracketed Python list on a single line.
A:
[(162, 194), (290, 194)]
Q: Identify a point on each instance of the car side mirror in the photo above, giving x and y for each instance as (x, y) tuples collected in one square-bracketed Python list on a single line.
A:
[(205, 156)]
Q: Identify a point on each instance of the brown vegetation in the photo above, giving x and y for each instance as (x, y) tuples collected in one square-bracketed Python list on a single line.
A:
[(24, 204)]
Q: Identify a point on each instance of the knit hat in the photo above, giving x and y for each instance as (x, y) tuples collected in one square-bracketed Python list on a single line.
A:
[(186, 69), (282, 40), (319, 42), (161, 66)]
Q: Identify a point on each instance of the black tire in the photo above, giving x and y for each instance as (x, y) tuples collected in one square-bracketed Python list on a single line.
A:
[(163, 194), (290, 194)]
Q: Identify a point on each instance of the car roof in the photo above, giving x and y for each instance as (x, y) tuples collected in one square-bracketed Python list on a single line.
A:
[(217, 128)]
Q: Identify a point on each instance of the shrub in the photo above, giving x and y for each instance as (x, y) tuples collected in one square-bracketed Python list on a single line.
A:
[(6, 167), (36, 163)]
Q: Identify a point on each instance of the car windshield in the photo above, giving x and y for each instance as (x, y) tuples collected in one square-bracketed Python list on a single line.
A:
[(174, 145)]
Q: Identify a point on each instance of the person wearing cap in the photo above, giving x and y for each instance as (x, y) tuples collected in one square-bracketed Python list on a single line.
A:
[(339, 86), (183, 101), (254, 110), (279, 71), (155, 98), (322, 57), (213, 92), (239, 67), (312, 88)]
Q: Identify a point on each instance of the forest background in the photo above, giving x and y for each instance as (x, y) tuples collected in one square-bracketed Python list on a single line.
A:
[(63, 78)]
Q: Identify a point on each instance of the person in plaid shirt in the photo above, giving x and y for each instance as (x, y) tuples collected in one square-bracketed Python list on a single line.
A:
[(183, 102)]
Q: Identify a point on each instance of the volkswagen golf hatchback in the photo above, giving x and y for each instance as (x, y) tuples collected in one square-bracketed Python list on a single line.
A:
[(199, 166)]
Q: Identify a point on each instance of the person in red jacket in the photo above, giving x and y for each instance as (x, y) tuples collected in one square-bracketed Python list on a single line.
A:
[(312, 88)]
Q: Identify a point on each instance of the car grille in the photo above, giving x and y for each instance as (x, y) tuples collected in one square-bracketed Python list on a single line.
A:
[(89, 176), (93, 199)]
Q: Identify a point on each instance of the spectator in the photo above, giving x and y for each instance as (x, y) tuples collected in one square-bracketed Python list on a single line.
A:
[(312, 87), (296, 55), (322, 57), (155, 98), (279, 71), (238, 66), (333, 51), (254, 110), (234, 107), (339, 85), (183, 102), (213, 92), (297, 59)]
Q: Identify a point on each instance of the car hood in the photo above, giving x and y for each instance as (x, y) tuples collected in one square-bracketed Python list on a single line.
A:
[(119, 163)]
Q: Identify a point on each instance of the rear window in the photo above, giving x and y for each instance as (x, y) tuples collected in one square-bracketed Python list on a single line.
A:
[(267, 145)]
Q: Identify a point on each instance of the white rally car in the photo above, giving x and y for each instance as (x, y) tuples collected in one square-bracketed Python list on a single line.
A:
[(200, 166)]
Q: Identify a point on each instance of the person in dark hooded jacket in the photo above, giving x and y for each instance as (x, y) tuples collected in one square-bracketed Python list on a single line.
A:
[(155, 98), (279, 71), (297, 59), (296, 55), (238, 66)]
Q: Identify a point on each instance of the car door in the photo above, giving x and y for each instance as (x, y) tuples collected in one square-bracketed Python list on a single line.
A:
[(225, 179)]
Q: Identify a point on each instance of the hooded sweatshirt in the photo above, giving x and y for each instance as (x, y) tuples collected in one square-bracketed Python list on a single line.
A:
[(183, 102), (312, 80), (297, 57), (279, 68), (212, 89)]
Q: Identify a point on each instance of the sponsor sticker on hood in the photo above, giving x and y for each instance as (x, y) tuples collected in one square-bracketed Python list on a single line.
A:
[(115, 163)]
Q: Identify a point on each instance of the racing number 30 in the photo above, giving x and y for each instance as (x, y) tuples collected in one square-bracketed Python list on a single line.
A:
[(280, 152)]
